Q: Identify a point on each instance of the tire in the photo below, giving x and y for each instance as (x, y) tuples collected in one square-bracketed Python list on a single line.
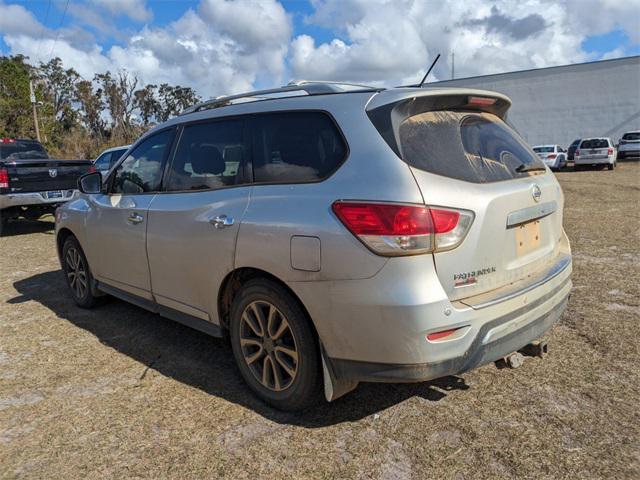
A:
[(4, 220), (77, 274), (611, 166), (267, 324)]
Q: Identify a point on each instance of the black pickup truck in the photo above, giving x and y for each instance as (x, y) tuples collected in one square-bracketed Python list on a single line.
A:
[(31, 183)]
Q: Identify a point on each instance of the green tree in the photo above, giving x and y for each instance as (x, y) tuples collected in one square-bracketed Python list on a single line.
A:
[(16, 119)]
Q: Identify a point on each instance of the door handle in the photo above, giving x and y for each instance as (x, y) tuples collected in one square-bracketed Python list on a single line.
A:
[(221, 221), (135, 218)]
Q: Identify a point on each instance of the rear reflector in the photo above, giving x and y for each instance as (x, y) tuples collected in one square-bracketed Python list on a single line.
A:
[(481, 101), (440, 335), (397, 229), (4, 178)]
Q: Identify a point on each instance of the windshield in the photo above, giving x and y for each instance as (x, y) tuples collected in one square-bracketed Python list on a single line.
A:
[(631, 136), (21, 150), (543, 149), (471, 146), (595, 143)]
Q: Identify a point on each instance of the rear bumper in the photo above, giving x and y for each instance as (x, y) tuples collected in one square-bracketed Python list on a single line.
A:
[(483, 350), (33, 198), (594, 161)]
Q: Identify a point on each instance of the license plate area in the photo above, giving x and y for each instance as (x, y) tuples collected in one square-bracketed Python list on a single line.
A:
[(528, 237), (54, 194)]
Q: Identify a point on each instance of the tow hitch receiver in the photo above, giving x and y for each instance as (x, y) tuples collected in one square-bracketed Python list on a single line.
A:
[(514, 360)]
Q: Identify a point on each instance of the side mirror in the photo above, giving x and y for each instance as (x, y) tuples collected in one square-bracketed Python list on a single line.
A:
[(90, 183)]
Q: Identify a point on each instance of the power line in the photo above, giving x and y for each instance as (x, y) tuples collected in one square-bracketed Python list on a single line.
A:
[(44, 26), (64, 14)]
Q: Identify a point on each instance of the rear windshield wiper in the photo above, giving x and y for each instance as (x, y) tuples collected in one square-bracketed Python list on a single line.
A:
[(529, 168)]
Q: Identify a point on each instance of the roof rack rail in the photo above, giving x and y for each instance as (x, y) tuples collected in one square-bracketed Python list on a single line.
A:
[(303, 86)]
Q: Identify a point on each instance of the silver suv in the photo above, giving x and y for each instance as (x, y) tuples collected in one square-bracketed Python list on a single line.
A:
[(336, 234)]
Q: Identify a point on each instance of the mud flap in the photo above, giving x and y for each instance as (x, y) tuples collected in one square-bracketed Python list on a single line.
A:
[(334, 387)]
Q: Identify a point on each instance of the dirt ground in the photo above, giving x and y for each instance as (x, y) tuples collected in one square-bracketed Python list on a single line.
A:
[(124, 393)]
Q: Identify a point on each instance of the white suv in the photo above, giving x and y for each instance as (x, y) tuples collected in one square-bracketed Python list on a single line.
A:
[(597, 151), (629, 145)]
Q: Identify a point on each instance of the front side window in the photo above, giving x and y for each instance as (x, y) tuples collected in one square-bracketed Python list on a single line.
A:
[(115, 156), (296, 147), (141, 171), (209, 156), (475, 147), (103, 162)]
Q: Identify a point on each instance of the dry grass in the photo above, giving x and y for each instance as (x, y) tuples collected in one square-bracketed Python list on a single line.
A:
[(121, 392)]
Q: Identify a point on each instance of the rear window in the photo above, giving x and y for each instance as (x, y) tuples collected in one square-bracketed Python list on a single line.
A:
[(631, 136), (543, 149), (22, 150), (475, 147), (296, 147), (595, 143)]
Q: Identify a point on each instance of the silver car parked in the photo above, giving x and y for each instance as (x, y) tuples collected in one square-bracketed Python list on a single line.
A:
[(337, 234), (553, 156)]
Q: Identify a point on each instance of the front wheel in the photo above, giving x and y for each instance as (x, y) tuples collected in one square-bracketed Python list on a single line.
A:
[(77, 274), (274, 346)]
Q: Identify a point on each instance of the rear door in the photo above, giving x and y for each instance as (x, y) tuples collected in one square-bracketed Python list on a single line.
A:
[(474, 161), (194, 222), (116, 223)]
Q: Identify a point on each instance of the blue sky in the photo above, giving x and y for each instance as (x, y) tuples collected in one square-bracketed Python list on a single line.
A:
[(265, 42)]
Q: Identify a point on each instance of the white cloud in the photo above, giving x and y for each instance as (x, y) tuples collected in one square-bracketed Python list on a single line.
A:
[(226, 47), (393, 42), (134, 9)]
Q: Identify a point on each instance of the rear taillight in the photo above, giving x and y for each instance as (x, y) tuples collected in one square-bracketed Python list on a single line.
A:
[(610, 151), (92, 169), (577, 153), (397, 229), (4, 178), (551, 156), (481, 101)]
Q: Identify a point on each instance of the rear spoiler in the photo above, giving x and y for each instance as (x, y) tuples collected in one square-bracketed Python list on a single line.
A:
[(389, 108)]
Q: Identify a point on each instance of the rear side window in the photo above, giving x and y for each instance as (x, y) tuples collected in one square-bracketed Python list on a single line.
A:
[(595, 143), (543, 149), (209, 156), (474, 147), (296, 147)]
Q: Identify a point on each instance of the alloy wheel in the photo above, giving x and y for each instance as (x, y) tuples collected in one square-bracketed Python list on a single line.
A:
[(268, 345), (76, 272)]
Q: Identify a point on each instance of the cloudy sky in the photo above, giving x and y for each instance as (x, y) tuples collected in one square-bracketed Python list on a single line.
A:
[(221, 46)]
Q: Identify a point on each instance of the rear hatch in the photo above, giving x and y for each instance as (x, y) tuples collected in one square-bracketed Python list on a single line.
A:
[(472, 160), (594, 149), (45, 175)]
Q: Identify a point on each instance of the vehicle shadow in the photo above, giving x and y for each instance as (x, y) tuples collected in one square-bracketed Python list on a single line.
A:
[(22, 226), (204, 362)]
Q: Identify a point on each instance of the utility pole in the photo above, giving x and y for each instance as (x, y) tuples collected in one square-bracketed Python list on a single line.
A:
[(453, 65), (32, 96)]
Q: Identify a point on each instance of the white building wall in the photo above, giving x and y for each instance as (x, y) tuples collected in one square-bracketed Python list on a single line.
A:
[(559, 104)]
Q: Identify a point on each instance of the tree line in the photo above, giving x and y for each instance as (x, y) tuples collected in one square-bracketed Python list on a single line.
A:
[(80, 117)]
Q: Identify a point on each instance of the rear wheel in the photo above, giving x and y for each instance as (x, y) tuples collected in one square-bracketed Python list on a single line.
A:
[(274, 346), (77, 274), (611, 166), (4, 219)]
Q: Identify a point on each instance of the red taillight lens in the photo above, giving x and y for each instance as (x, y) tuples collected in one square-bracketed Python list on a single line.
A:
[(442, 334), (92, 169), (384, 219), (610, 151), (577, 153), (551, 156), (392, 229), (481, 101), (4, 178)]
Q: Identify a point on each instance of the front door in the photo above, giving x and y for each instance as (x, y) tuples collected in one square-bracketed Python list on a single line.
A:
[(117, 220), (193, 224)]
